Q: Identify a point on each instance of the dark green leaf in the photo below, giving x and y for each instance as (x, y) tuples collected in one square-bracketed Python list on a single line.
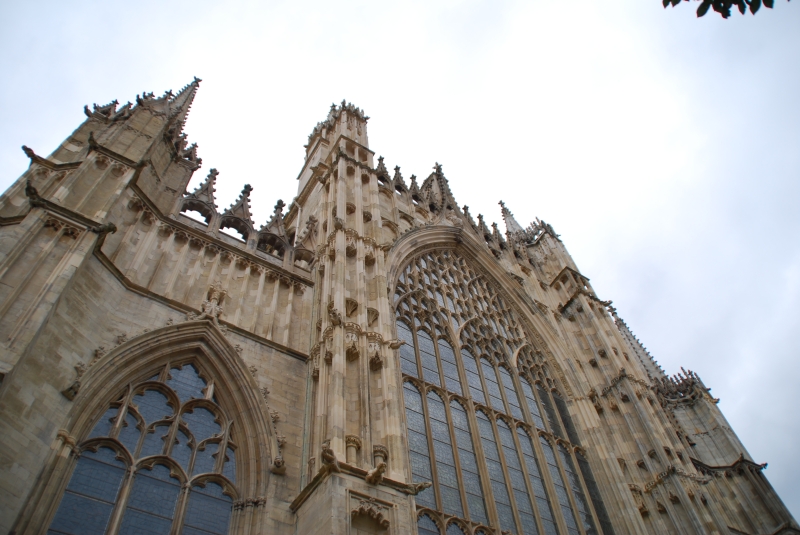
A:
[(666, 3), (703, 9), (675, 2), (742, 6), (769, 3), (754, 6)]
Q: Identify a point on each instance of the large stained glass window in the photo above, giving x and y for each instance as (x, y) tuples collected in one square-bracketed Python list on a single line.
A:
[(169, 433), (459, 335)]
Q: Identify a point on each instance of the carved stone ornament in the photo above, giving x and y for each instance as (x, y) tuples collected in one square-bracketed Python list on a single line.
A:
[(374, 353), (334, 315), (375, 476), (350, 306), (351, 345), (416, 488), (328, 457), (211, 308), (372, 509), (72, 390)]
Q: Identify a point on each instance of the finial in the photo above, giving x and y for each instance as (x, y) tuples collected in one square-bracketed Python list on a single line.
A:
[(279, 205)]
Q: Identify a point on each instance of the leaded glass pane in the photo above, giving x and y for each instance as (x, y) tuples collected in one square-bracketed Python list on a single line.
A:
[(492, 386), (152, 405), (186, 382), (151, 503), (182, 450), (449, 367), (498, 482), (430, 369), (208, 511), (201, 423), (511, 393), (154, 441), (419, 454), (103, 426), (443, 453), (129, 433), (469, 465), (552, 419), (204, 459), (229, 468), (572, 433), (473, 378), (594, 494), (577, 491), (408, 360), (426, 526), (558, 482), (454, 529), (533, 405), (535, 478), (86, 506), (516, 476)]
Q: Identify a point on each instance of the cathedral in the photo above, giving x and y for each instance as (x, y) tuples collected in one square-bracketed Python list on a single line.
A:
[(372, 359)]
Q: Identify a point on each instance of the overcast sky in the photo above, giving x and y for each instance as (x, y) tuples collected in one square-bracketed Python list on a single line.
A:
[(664, 149)]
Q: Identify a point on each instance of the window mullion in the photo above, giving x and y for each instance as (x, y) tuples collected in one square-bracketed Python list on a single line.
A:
[(122, 413), (180, 509), (547, 478), (528, 484), (122, 501), (456, 457), (431, 452), (509, 488), (483, 470)]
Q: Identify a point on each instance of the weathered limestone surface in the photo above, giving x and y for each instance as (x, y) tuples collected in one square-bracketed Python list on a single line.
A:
[(107, 285)]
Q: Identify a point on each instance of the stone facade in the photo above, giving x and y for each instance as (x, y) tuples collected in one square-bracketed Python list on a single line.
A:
[(301, 339)]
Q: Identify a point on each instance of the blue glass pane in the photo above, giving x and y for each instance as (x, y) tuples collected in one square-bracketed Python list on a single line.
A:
[(103, 426), (201, 423), (151, 503), (473, 379), (496, 473), (229, 468), (511, 393), (454, 529), (89, 499), (572, 433), (555, 427), (533, 405), (181, 450), (453, 383), (79, 515), (154, 441), (186, 382), (209, 510), (129, 434), (426, 526), (491, 385), (204, 459), (408, 359), (558, 483), (152, 406), (594, 494)]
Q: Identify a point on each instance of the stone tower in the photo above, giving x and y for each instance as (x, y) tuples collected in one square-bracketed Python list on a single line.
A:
[(370, 360)]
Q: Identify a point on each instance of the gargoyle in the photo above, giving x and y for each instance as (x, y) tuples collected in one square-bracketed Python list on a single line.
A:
[(375, 476), (328, 457)]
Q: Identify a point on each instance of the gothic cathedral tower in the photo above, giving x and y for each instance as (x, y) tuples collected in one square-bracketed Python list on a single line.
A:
[(370, 360)]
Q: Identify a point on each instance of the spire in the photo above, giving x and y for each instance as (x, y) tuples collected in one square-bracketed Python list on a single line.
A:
[(381, 171), (179, 105), (511, 224), (414, 189), (205, 191), (398, 182), (275, 223), (241, 208)]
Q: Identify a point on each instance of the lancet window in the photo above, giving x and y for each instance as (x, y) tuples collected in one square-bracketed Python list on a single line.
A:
[(160, 459), (489, 435)]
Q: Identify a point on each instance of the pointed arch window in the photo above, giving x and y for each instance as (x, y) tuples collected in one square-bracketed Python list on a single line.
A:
[(459, 338), (164, 433)]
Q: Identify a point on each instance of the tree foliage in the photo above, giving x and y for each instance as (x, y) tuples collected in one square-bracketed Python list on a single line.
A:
[(723, 7)]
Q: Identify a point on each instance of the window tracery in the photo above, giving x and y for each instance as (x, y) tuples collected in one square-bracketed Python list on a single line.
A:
[(161, 435), (441, 299)]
